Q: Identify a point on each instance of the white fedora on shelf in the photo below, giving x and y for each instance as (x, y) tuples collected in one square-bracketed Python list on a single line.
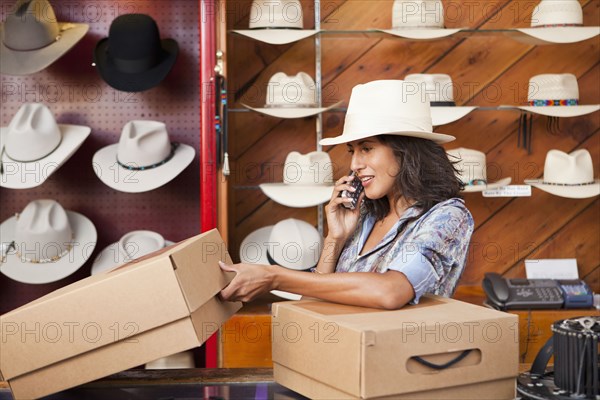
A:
[(419, 19), (440, 89), (388, 107), (290, 243), (31, 38), (472, 169), (568, 175), (291, 97), (143, 160), (557, 21), (45, 243), (307, 180), (33, 146), (131, 246), (276, 22)]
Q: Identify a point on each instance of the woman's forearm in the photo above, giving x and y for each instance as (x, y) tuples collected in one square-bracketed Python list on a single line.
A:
[(332, 249)]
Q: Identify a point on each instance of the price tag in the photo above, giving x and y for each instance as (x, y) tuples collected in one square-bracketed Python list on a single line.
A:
[(509, 191)]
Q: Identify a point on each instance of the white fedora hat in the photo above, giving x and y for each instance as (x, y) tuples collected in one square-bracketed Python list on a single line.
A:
[(440, 89), (568, 175), (419, 19), (291, 97), (388, 107), (33, 146), (31, 38), (472, 168), (45, 243), (557, 21), (291, 243), (132, 245), (307, 180), (276, 22), (144, 159)]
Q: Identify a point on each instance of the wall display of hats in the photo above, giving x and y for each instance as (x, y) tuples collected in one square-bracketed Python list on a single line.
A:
[(472, 170)]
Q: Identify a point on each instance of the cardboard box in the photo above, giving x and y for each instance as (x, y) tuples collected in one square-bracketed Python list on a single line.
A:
[(323, 350), (159, 305)]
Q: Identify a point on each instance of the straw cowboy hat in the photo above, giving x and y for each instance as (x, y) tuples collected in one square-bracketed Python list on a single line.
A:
[(133, 58), (568, 175), (291, 97), (132, 245), (33, 146), (276, 22), (557, 21), (307, 180), (45, 243), (145, 158), (419, 19), (440, 89), (290, 243), (31, 38), (472, 169), (388, 107)]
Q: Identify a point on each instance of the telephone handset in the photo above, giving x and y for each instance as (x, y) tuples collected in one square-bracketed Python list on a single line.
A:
[(522, 293)]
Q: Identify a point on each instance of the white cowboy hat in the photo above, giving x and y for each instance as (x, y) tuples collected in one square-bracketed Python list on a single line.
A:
[(143, 160), (388, 107), (276, 22), (291, 243), (568, 175), (33, 146), (31, 38), (307, 180), (45, 243), (557, 21), (291, 97), (132, 245), (419, 19), (440, 89), (472, 169)]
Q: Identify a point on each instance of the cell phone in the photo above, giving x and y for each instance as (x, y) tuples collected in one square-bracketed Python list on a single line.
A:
[(357, 184)]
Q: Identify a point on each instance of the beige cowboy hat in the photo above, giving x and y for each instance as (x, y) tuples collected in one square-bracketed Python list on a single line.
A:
[(568, 175), (33, 146), (276, 22), (45, 243), (388, 107), (31, 38), (143, 160), (472, 168), (307, 180)]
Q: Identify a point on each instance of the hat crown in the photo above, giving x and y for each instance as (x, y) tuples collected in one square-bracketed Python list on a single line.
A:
[(553, 87), (557, 12), (137, 244), (291, 91), (295, 244), (314, 168), (471, 164), (135, 37), (143, 143), (411, 14), (43, 231), (286, 14), (32, 133), (574, 168), (30, 26), (438, 87)]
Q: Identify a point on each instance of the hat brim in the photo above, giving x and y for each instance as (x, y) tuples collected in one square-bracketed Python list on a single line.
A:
[(290, 112), (110, 258), (253, 250), (439, 138), (297, 196), (489, 186), (18, 175), (571, 192), (558, 111), (421, 34), (446, 115), (124, 180), (552, 35), (277, 36), (14, 62), (136, 82), (84, 243)]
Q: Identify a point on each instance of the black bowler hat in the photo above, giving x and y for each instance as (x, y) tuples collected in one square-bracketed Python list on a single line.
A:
[(133, 58)]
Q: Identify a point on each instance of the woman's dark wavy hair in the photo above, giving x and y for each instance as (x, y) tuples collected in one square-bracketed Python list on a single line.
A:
[(427, 177)]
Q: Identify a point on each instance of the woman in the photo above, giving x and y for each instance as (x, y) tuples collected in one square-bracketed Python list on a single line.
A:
[(411, 233)]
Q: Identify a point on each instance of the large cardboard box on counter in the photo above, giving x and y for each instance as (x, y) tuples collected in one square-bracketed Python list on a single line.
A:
[(159, 305), (326, 351)]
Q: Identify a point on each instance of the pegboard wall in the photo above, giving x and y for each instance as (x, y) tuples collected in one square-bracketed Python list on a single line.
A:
[(74, 92)]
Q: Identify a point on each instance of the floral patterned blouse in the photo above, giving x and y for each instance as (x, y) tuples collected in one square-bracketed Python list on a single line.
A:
[(431, 251)]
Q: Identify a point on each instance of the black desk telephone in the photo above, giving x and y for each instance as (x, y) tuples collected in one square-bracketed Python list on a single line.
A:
[(510, 294)]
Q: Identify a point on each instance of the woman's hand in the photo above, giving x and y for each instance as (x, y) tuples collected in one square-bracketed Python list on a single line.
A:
[(250, 281), (341, 221)]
